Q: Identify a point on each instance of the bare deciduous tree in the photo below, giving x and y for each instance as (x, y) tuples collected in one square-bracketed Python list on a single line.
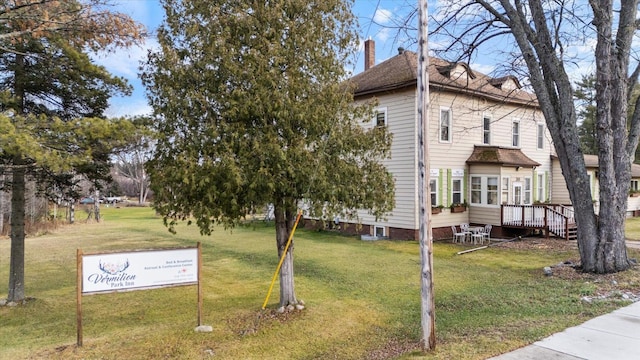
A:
[(545, 35)]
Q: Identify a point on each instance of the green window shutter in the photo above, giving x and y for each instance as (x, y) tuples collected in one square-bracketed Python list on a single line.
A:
[(449, 186), (465, 186), (441, 185)]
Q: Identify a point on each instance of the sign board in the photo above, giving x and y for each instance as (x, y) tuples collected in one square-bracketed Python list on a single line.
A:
[(139, 270), (136, 270)]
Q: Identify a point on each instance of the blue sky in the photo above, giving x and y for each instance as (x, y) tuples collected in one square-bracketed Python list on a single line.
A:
[(125, 63), (377, 19)]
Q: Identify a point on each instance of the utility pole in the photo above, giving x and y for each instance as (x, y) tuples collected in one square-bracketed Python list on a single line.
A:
[(424, 198)]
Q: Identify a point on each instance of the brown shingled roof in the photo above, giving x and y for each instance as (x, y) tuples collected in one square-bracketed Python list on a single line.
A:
[(400, 72), (502, 156)]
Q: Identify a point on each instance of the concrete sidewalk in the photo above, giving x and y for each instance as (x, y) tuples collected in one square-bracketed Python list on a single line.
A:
[(607, 337)]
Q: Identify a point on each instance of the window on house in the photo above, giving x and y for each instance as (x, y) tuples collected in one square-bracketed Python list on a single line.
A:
[(484, 190), (456, 191), (433, 190), (379, 231), (476, 190), (527, 191), (486, 130), (492, 190), (634, 185), (541, 196), (445, 125), (505, 190), (381, 117), (515, 134), (540, 136)]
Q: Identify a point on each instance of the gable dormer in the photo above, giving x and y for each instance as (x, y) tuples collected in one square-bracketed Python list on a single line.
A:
[(506, 83), (457, 71)]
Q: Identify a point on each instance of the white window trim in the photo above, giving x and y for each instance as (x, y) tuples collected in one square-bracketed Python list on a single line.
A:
[(516, 121), (540, 189), (527, 181), (384, 230), (434, 191), (484, 190), (540, 130), (503, 190), (457, 178), (374, 121), (450, 139), (485, 116)]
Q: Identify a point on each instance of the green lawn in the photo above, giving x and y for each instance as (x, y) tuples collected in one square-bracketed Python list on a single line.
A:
[(363, 298)]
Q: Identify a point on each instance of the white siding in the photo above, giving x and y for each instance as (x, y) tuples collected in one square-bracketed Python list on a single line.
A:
[(401, 121), (467, 130)]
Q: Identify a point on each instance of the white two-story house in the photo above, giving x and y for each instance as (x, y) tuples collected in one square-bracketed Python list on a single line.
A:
[(488, 144)]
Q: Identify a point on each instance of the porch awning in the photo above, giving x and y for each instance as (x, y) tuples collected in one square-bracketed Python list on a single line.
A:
[(500, 156)]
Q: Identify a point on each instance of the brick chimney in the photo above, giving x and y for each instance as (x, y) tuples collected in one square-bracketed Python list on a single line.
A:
[(369, 54)]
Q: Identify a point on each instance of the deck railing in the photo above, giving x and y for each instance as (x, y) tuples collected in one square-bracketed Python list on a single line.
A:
[(554, 218)]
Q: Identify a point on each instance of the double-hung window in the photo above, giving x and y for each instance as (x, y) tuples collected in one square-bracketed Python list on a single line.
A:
[(540, 136), (505, 190), (486, 130), (527, 191), (380, 119), (456, 191), (433, 191), (484, 190), (445, 125), (540, 189), (515, 133)]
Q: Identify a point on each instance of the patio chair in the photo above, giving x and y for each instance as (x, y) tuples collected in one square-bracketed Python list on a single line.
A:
[(477, 236), (487, 233), (464, 227), (458, 236)]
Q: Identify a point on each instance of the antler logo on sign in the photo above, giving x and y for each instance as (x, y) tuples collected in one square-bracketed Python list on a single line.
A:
[(113, 268)]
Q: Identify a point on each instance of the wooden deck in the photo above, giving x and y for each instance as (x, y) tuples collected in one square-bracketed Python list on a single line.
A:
[(553, 219)]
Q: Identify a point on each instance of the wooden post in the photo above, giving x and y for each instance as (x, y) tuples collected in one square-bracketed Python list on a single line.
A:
[(426, 241), (79, 295), (199, 284)]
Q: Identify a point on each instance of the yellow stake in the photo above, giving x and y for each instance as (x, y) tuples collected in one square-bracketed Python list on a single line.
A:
[(284, 253)]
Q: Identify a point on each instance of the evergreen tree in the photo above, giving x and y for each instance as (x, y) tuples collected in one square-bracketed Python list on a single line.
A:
[(52, 102), (252, 110)]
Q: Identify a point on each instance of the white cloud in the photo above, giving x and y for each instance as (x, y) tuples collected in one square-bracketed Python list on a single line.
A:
[(383, 35), (128, 107), (125, 62), (382, 16)]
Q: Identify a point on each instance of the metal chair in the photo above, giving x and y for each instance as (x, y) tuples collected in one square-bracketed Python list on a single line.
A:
[(458, 236)]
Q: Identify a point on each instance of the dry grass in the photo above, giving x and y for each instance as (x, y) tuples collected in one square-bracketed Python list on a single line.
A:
[(362, 297)]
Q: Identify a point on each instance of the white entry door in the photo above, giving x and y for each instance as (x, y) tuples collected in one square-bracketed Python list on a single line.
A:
[(517, 193), (517, 200)]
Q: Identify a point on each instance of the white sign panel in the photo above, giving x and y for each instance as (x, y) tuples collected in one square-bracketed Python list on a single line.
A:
[(139, 270)]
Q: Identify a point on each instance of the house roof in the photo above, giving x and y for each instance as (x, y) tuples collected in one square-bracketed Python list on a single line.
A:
[(591, 161), (483, 154), (400, 72)]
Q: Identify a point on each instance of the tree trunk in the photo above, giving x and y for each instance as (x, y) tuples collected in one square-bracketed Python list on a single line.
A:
[(96, 206), (611, 122), (284, 224), (16, 267), (2, 207), (600, 240)]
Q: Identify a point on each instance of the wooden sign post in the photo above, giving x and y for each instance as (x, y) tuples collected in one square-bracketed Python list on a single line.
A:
[(102, 273)]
